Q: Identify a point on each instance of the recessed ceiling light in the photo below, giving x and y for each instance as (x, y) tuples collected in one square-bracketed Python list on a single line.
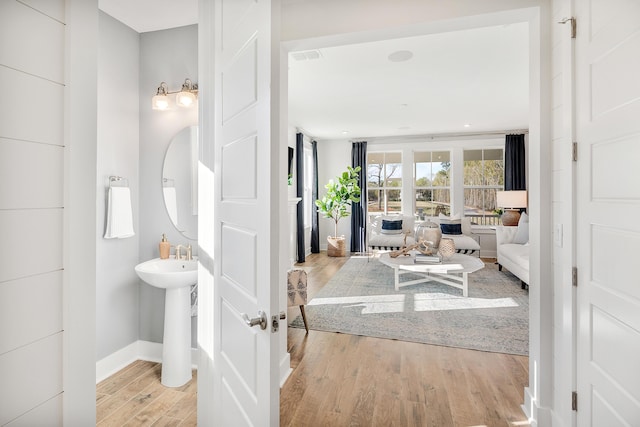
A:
[(344, 132), (467, 125), (400, 56)]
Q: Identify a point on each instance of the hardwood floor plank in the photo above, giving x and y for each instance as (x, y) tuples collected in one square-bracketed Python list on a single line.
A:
[(191, 420), (165, 421), (154, 410), (184, 406), (118, 380), (120, 397)]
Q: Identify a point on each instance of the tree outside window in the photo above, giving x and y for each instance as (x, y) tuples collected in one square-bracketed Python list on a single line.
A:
[(433, 183), (384, 182), (483, 177)]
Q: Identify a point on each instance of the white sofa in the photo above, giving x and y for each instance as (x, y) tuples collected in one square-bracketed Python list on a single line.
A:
[(513, 256), (464, 243)]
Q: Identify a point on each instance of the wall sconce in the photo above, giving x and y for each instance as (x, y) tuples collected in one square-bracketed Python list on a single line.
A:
[(185, 97)]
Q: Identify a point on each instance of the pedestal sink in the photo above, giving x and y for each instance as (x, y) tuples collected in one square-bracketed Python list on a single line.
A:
[(176, 277)]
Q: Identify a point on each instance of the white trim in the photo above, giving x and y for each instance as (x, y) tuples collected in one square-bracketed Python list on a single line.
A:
[(137, 350), (285, 368), (536, 415)]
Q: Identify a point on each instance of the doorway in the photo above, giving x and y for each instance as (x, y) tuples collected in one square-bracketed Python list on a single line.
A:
[(539, 170)]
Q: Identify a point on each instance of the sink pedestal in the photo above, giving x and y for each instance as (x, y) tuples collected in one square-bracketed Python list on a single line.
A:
[(176, 347), (175, 276)]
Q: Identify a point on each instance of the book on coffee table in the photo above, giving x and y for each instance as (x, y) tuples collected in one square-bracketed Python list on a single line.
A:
[(431, 259)]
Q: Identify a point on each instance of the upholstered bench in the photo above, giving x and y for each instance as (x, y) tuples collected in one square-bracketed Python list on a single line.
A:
[(464, 243), (394, 238)]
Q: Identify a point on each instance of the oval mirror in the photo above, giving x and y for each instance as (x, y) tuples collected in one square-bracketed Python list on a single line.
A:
[(180, 182)]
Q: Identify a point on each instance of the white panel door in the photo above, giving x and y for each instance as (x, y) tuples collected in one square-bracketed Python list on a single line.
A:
[(608, 208), (246, 213)]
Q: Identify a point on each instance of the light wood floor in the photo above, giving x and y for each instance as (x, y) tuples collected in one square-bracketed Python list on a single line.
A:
[(135, 397), (347, 380)]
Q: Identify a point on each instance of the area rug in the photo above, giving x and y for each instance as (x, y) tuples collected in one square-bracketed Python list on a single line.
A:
[(360, 299)]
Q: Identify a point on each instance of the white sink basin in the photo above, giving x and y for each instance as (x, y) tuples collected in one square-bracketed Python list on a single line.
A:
[(168, 273)]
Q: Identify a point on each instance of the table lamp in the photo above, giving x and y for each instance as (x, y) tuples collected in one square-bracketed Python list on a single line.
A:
[(511, 202)]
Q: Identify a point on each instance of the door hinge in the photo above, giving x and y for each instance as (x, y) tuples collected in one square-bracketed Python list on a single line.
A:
[(574, 400), (573, 25), (574, 151), (574, 276)]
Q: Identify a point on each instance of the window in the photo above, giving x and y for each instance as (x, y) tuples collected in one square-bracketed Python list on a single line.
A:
[(433, 183), (483, 177), (384, 182)]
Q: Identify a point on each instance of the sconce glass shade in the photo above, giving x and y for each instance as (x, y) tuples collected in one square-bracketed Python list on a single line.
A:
[(185, 99), (160, 102)]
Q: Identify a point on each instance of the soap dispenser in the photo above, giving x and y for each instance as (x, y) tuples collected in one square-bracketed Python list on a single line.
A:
[(165, 247)]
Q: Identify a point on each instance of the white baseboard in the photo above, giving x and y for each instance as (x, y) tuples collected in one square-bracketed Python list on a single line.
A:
[(285, 368), (138, 350), (537, 415)]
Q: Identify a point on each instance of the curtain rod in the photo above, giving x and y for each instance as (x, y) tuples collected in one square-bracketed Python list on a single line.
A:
[(446, 135)]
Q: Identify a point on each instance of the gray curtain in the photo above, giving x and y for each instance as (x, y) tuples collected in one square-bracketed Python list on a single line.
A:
[(359, 210), (300, 193), (315, 229), (514, 163)]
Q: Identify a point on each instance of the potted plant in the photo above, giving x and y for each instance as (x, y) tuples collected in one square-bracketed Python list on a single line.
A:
[(335, 203)]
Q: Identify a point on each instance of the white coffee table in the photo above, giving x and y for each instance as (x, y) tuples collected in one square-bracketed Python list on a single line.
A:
[(453, 272)]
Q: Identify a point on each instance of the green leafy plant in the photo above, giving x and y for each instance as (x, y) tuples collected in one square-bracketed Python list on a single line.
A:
[(340, 195)]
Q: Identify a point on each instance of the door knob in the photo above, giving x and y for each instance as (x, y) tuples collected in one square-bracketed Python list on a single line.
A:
[(260, 320)]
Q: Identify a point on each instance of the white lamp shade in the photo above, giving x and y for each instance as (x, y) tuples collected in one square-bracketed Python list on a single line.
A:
[(185, 99), (511, 199), (160, 102)]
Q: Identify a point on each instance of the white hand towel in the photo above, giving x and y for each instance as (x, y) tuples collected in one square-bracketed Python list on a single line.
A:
[(171, 203), (119, 214)]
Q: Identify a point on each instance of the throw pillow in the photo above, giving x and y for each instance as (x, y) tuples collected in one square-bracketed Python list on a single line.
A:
[(466, 221), (391, 226), (451, 228), (451, 225), (522, 233), (466, 225)]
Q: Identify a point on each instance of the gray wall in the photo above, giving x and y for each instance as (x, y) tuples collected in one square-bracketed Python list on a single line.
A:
[(132, 141), (165, 56), (117, 154)]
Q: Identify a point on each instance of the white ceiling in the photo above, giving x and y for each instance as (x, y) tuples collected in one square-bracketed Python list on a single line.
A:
[(477, 77), (152, 15)]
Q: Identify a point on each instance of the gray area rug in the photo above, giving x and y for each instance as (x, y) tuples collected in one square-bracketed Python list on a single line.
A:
[(360, 299)]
